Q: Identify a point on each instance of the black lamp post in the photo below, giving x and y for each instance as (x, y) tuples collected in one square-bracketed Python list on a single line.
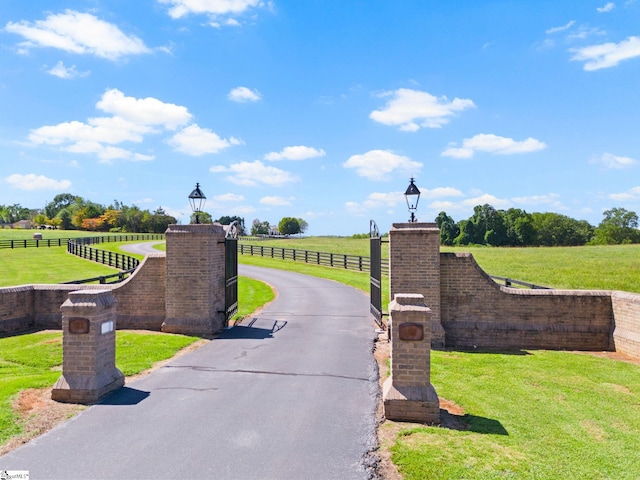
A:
[(413, 196), (197, 199)]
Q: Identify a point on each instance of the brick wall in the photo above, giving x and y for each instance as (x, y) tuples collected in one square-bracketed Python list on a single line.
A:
[(477, 312), (414, 268), (140, 299), (626, 334), (195, 279)]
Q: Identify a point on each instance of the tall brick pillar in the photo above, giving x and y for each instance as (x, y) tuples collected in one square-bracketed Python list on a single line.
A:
[(88, 348), (195, 282), (414, 266), (407, 394)]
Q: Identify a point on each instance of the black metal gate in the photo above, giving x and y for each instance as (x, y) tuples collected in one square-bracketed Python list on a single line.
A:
[(231, 271), (375, 268)]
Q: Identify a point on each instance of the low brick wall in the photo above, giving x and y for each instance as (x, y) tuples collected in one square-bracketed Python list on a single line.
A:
[(141, 299), (478, 313), (626, 333)]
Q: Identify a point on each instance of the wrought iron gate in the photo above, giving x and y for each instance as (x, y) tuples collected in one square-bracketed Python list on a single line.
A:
[(231, 271), (375, 268)]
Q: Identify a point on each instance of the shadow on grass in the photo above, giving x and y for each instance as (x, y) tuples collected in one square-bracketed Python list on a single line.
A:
[(489, 351), (471, 423)]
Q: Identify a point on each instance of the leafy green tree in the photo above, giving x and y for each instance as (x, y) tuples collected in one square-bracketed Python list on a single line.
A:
[(60, 202), (556, 230), (449, 230), (203, 217), (618, 226), (259, 228), (289, 226)]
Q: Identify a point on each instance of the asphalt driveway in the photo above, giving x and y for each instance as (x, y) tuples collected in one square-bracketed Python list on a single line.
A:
[(289, 394)]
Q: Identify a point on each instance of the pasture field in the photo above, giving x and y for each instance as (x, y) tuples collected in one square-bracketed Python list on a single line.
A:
[(602, 267)]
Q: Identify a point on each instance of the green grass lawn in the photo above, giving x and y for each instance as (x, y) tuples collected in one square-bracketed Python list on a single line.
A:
[(35, 360), (536, 415), (602, 267), (22, 266)]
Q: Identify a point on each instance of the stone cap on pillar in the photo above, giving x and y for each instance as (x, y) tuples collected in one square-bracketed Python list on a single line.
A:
[(89, 299), (429, 226), (202, 228), (403, 302)]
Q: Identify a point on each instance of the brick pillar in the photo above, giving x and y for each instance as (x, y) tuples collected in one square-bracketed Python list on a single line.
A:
[(195, 282), (414, 266), (407, 394), (88, 348)]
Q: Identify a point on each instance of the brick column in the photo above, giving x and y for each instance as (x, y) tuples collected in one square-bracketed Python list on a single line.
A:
[(195, 283), (407, 394), (88, 348), (414, 266)]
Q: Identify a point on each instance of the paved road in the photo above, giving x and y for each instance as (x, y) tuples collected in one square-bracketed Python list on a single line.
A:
[(290, 394), (144, 248)]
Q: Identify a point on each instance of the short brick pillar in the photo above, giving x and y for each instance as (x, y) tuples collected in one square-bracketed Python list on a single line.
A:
[(88, 348), (414, 266), (195, 280), (407, 394)]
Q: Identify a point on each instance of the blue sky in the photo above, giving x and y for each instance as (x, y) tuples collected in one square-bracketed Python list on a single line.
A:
[(322, 109)]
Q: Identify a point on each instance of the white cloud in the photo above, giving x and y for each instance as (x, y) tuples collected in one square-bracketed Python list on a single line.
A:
[(440, 192), (212, 8), (133, 119), (194, 140), (110, 130), (493, 144), (275, 201), (487, 198), (607, 55), (32, 181), (229, 197), (144, 111), (606, 8), (612, 161), (378, 164), (255, 173), (631, 194), (244, 95), (299, 152), (412, 109), (562, 28), (79, 33), (66, 73)]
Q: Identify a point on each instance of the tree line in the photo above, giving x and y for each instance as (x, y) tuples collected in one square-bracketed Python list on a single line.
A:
[(517, 228), (71, 212)]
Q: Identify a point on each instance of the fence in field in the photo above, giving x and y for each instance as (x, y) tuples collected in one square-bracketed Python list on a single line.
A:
[(346, 262), (59, 242), (336, 260)]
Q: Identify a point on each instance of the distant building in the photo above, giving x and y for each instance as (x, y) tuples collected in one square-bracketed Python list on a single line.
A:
[(26, 224), (273, 231)]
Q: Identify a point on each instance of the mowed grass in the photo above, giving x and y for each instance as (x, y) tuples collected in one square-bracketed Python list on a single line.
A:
[(22, 266), (603, 267), (35, 360), (534, 415)]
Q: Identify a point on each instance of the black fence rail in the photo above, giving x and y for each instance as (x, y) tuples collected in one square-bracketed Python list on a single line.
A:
[(113, 259), (510, 282), (336, 260), (59, 242), (104, 279), (347, 262)]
